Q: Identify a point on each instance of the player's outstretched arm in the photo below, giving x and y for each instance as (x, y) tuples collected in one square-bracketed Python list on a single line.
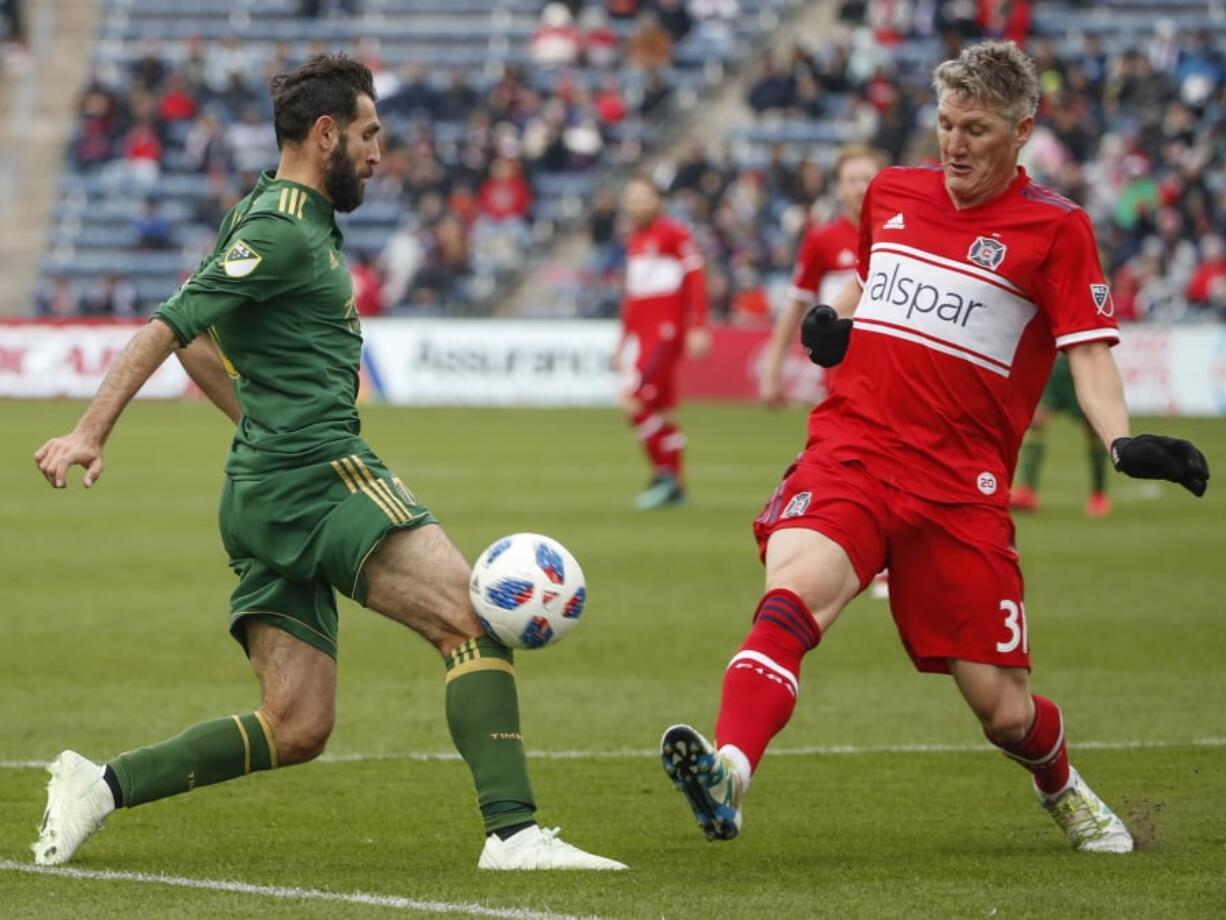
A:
[(770, 387), (82, 446), (202, 361), (1100, 392)]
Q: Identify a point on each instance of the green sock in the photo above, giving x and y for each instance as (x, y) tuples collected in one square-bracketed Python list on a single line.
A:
[(1032, 460), (1097, 455), (211, 752), (483, 715)]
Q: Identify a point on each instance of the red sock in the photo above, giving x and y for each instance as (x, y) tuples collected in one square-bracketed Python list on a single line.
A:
[(647, 428), (1043, 751), (671, 446), (763, 678)]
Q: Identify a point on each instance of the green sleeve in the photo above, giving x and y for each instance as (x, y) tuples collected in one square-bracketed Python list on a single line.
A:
[(266, 256)]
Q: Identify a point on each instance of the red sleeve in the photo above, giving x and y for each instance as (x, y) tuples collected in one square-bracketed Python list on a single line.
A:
[(810, 266), (693, 279), (1072, 290), (865, 249)]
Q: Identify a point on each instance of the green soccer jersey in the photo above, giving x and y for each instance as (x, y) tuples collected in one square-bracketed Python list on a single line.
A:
[(276, 297)]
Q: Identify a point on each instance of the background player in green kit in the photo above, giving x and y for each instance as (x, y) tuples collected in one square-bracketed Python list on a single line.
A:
[(1059, 396), (267, 327)]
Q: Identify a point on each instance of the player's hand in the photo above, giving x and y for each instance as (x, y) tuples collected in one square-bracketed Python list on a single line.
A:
[(630, 406), (1154, 456), (770, 388), (59, 454), (824, 336), (698, 343)]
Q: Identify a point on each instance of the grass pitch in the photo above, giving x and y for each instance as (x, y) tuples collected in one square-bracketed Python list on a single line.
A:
[(115, 611)]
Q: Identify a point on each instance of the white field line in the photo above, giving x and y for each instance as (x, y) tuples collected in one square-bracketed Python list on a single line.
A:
[(289, 893), (817, 750)]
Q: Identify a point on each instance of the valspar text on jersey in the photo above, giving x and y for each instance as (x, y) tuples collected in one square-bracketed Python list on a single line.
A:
[(917, 296)]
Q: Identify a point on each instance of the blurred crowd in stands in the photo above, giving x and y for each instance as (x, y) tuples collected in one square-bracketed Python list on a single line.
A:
[(464, 155), (1137, 136), (1133, 131), (14, 42)]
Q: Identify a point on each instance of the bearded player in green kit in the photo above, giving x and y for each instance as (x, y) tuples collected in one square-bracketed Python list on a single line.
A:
[(267, 327)]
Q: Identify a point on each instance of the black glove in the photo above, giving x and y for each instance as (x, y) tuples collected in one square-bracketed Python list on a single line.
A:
[(825, 336), (1154, 456)]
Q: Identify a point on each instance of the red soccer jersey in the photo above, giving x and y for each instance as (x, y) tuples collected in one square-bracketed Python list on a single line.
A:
[(958, 324), (665, 285), (826, 261)]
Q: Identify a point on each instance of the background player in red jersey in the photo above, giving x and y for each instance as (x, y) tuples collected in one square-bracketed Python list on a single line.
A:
[(970, 278), (664, 318), (825, 262)]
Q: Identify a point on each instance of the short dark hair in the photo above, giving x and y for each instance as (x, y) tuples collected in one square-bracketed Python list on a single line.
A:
[(327, 84)]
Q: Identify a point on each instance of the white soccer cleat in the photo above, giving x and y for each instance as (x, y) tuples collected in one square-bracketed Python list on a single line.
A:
[(535, 848), (1091, 826), (706, 778), (78, 800)]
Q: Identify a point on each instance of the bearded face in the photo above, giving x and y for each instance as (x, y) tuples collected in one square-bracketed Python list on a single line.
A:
[(342, 182)]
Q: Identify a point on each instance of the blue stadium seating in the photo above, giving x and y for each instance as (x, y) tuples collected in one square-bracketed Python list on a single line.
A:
[(93, 231)]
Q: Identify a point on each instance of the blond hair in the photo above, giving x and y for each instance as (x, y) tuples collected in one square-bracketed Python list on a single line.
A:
[(998, 74), (851, 152)]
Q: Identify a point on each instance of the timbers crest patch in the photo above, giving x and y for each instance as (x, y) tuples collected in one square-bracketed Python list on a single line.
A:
[(987, 252), (240, 260)]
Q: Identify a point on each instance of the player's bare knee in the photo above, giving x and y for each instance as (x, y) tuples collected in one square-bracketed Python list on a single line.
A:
[(304, 740), (825, 593), (811, 564), (1008, 720), (310, 743), (299, 735)]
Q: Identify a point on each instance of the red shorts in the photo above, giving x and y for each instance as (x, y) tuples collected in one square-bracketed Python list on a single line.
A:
[(955, 584), (657, 352)]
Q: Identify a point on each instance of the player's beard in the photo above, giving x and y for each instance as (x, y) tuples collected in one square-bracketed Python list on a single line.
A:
[(342, 182)]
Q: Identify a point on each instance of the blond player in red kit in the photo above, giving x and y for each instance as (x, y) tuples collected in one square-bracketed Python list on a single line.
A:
[(971, 277), (664, 319), (825, 263)]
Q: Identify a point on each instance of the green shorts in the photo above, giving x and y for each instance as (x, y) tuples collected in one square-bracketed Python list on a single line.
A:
[(1060, 395), (295, 535)]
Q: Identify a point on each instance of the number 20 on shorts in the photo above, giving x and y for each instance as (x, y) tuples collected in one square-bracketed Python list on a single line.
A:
[(1015, 622)]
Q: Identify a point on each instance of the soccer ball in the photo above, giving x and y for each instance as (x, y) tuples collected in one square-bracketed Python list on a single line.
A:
[(527, 590)]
